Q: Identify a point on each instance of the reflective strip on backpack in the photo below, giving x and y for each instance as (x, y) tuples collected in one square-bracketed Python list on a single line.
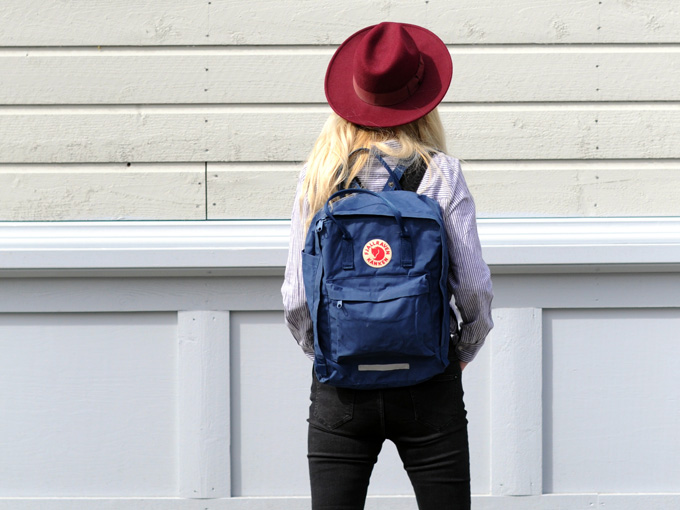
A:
[(384, 368)]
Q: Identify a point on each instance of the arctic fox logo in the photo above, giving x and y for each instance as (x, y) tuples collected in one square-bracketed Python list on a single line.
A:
[(377, 253)]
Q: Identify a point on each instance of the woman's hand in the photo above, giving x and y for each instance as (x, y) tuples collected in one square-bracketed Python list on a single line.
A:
[(462, 365)]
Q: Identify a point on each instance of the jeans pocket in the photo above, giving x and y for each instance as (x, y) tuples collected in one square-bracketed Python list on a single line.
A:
[(439, 402), (331, 407)]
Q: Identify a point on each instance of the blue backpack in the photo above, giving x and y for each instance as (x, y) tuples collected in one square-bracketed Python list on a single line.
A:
[(375, 272)]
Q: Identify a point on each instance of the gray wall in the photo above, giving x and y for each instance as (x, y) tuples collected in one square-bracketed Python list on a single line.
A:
[(147, 366)]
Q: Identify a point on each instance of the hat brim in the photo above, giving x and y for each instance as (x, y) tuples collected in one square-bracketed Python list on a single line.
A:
[(435, 83)]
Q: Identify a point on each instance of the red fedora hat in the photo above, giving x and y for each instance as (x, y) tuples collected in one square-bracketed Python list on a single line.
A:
[(388, 74)]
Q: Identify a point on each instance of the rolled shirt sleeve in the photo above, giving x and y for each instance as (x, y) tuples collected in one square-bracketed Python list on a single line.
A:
[(469, 276), (296, 312)]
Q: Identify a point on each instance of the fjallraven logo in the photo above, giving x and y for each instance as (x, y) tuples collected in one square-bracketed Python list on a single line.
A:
[(377, 253)]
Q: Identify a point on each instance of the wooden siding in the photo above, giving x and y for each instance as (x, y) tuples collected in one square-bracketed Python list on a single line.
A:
[(558, 108), (247, 22)]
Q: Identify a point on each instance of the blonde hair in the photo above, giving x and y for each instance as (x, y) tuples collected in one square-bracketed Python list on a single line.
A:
[(329, 167)]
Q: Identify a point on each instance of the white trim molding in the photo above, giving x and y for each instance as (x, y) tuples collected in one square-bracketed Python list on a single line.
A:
[(209, 247), (583, 501), (581, 242)]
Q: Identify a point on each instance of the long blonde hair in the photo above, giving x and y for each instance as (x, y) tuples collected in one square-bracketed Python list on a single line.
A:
[(329, 167)]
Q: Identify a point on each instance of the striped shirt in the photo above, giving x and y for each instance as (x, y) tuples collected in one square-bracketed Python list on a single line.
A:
[(469, 277)]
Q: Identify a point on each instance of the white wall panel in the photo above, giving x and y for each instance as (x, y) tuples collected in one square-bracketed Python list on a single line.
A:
[(611, 406), (133, 406), (88, 404), (270, 381)]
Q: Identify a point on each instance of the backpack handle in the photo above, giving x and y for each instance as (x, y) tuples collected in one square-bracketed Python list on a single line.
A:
[(343, 192), (347, 254)]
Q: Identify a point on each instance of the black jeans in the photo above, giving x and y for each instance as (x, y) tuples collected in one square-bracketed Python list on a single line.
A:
[(427, 423)]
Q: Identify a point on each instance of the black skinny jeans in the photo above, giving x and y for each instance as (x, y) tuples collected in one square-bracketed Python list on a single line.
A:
[(427, 423)]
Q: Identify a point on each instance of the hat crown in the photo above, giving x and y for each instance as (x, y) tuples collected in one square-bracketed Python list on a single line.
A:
[(388, 75), (386, 59)]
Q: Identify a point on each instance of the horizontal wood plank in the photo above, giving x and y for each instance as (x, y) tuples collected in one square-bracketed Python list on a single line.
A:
[(461, 22), (266, 190), (126, 22), (500, 189), (243, 22), (102, 192), (251, 191), (575, 188), (223, 134), (492, 74)]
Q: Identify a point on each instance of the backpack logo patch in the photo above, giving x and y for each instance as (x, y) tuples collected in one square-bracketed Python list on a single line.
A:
[(377, 253)]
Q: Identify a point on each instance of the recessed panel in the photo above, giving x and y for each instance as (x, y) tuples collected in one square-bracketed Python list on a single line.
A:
[(611, 406), (87, 404), (270, 381), (270, 385)]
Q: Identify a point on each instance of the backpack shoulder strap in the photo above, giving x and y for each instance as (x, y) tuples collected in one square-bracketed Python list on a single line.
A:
[(395, 174), (401, 177), (413, 175)]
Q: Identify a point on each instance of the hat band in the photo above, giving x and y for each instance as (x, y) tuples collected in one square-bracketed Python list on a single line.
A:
[(394, 97)]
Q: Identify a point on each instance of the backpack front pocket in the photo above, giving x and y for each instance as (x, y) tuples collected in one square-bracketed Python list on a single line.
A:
[(381, 317)]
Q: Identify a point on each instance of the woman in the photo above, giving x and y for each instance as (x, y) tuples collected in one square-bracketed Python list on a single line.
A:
[(384, 84)]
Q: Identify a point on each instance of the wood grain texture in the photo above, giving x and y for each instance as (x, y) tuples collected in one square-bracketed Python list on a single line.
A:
[(243, 22), (266, 190), (283, 133), (251, 191), (203, 404), (102, 192), (579, 188), (58, 23), (500, 189), (295, 75), (462, 22), (516, 403)]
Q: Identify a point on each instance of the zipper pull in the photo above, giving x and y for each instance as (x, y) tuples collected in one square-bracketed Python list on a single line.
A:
[(340, 306)]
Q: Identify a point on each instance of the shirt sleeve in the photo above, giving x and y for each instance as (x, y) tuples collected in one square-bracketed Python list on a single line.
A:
[(469, 276), (296, 312)]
